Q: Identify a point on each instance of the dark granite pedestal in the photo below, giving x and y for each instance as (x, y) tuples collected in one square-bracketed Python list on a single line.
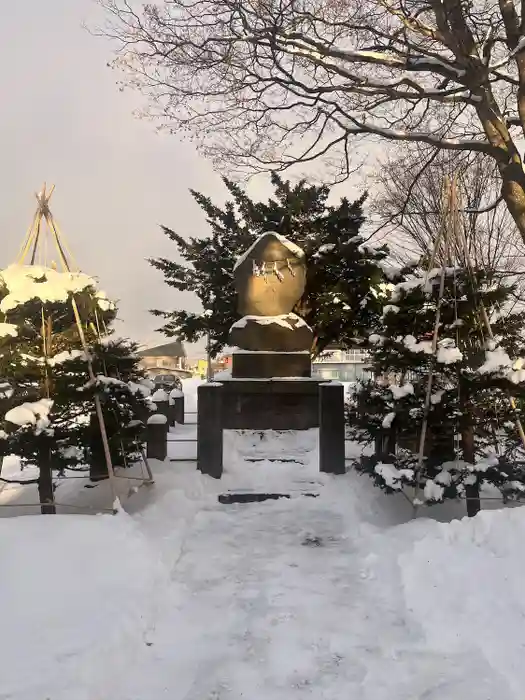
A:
[(270, 404), (271, 365)]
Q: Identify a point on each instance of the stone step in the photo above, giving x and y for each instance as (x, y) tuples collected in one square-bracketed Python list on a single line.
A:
[(249, 497)]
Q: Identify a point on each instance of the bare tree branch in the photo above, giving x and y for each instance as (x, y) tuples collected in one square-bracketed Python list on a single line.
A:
[(411, 206), (265, 84)]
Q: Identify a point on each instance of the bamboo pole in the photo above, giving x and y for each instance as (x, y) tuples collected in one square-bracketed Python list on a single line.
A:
[(98, 406), (441, 237), (488, 328)]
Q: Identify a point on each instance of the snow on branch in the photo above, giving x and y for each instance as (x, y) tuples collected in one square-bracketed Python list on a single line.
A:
[(420, 137), (486, 209), (504, 61), (34, 414), (25, 283), (317, 51)]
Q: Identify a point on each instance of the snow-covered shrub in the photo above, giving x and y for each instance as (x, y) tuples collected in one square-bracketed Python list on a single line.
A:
[(471, 436), (46, 397)]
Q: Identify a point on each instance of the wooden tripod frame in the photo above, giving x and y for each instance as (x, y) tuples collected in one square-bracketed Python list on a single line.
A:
[(35, 243)]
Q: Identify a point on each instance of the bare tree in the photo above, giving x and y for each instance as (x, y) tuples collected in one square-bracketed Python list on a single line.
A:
[(268, 83), (411, 203)]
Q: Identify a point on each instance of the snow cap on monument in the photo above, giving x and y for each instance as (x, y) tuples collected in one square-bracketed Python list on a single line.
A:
[(270, 277)]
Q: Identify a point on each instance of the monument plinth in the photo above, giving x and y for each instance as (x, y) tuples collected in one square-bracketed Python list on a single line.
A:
[(271, 386)]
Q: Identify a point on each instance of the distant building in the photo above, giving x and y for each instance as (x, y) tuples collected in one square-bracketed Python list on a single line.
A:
[(163, 359), (202, 368), (341, 365), (335, 364)]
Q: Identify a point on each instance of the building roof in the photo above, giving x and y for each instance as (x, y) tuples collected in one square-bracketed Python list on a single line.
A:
[(173, 349)]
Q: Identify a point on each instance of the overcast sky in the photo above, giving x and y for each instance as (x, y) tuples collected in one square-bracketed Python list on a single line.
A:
[(64, 121)]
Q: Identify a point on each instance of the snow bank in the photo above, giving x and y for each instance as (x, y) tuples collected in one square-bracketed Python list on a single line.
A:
[(463, 584), (252, 460), (74, 592), (304, 597)]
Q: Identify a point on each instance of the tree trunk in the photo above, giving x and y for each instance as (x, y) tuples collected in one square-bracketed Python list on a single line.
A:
[(513, 192), (508, 159), (45, 485), (468, 449)]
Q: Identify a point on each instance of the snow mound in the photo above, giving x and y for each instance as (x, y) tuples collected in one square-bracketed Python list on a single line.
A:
[(463, 583), (74, 591)]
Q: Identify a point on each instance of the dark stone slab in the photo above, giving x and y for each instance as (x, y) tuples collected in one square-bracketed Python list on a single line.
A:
[(178, 409), (265, 365), (270, 404), (288, 333), (230, 498), (331, 429), (171, 414), (209, 429), (163, 407), (157, 440)]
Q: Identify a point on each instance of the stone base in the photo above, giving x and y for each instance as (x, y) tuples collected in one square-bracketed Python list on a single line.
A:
[(285, 333), (267, 365), (270, 404)]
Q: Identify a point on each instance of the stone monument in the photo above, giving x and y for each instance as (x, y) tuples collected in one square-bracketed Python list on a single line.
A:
[(271, 387), (269, 340)]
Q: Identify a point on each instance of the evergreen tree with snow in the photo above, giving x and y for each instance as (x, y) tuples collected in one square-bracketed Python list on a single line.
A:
[(344, 281), (471, 435), (47, 398)]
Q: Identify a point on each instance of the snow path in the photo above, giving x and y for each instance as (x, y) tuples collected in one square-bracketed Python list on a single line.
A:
[(253, 611)]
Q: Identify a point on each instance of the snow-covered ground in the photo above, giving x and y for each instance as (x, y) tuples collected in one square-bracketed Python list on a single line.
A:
[(329, 595)]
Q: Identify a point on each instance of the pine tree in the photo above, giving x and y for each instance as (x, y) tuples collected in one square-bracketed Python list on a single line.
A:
[(47, 399), (344, 281), (471, 438)]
